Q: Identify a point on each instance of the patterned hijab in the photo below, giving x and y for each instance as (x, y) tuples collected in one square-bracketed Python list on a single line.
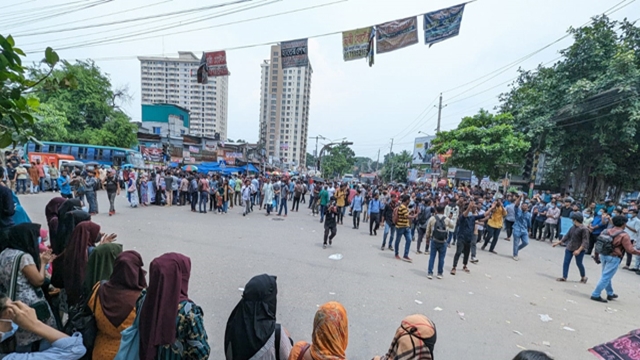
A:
[(330, 332), (414, 340)]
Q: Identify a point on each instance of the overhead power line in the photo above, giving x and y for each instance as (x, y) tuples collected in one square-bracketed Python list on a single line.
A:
[(56, 14)]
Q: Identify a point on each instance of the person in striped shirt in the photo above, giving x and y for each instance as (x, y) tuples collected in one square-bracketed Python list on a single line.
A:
[(403, 227)]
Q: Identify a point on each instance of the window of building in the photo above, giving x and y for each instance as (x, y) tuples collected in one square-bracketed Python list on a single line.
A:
[(274, 90), (156, 130), (275, 53), (275, 60), (274, 72)]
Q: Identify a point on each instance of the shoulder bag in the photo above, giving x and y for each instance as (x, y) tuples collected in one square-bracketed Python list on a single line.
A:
[(82, 320), (130, 341), (41, 307)]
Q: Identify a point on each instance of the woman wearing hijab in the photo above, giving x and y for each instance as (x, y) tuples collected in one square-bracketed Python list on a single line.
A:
[(59, 243), (63, 231), (21, 247), (171, 326), (414, 340), (76, 256), (252, 332), (100, 264), (51, 213), (132, 190), (330, 335), (115, 308)]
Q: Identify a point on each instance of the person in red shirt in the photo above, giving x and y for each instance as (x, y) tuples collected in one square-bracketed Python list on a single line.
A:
[(40, 169)]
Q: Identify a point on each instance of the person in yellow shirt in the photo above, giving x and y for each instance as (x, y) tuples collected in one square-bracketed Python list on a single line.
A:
[(494, 225), (341, 201)]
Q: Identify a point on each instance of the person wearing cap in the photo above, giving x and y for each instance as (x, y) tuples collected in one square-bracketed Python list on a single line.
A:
[(576, 241)]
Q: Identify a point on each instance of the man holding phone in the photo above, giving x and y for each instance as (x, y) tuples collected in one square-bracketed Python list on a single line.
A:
[(494, 225)]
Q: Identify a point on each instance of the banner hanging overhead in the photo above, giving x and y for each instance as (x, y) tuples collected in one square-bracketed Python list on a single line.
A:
[(294, 53), (217, 63), (357, 44), (442, 24), (397, 34), (202, 75)]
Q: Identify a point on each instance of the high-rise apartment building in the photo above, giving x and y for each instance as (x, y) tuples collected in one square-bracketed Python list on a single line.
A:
[(284, 110), (173, 81)]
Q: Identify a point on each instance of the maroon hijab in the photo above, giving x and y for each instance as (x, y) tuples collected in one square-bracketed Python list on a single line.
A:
[(118, 295), (76, 256), (51, 213), (168, 287)]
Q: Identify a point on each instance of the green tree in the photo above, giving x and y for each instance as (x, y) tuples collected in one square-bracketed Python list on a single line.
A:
[(311, 160), (583, 112), (50, 124), (16, 109), (484, 143), (364, 165), (395, 167), (338, 161), (91, 107)]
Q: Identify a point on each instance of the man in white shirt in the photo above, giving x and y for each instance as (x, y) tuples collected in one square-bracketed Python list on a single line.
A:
[(633, 229), (451, 212)]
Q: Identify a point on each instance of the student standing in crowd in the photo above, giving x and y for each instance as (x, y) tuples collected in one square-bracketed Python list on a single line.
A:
[(521, 225), (494, 225), (374, 209), (356, 210), (403, 223), (576, 241)]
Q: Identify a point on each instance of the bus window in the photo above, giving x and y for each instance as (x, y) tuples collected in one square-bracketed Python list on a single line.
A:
[(31, 147), (65, 149), (106, 154), (45, 148), (74, 151), (58, 149), (81, 153)]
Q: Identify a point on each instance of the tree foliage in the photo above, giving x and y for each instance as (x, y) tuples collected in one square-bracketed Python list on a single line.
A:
[(338, 161), (484, 143), (395, 166), (583, 112), (310, 160), (51, 124), (91, 106), (17, 109)]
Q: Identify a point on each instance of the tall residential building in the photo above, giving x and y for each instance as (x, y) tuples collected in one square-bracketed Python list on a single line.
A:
[(284, 110), (173, 81)]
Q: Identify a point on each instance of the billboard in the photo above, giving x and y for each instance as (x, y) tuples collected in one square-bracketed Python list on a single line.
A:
[(421, 151)]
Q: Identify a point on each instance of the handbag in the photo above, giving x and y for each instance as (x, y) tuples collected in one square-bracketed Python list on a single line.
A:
[(41, 307), (82, 320), (130, 341)]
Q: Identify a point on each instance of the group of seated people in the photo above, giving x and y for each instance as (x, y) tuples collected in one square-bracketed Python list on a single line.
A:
[(43, 287)]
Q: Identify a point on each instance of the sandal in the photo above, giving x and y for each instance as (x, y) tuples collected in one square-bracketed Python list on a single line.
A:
[(453, 271), (561, 279), (584, 280), (465, 269)]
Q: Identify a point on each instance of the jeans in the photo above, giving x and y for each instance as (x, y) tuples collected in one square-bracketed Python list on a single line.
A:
[(388, 229), (296, 203), (112, 201), (225, 206), (183, 197), (549, 230), (54, 184), (519, 237), (22, 183), (283, 205), (491, 233), (453, 235), (474, 243), (407, 240), (374, 222), (194, 200), (538, 228), (421, 233), (247, 206), (41, 184), (311, 201), (340, 214), (463, 247), (323, 209), (202, 205), (509, 226), (333, 230), (609, 267), (441, 249), (93, 202), (356, 219), (567, 261)]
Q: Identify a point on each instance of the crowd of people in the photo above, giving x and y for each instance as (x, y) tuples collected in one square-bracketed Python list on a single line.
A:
[(45, 285)]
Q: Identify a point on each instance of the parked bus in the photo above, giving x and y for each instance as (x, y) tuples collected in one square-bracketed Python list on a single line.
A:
[(104, 155)]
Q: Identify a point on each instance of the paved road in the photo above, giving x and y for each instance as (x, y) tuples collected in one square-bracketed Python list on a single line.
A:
[(498, 298)]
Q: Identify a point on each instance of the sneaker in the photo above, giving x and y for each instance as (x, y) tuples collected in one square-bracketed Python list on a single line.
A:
[(382, 248), (439, 276), (474, 260), (390, 248), (418, 252), (493, 252), (426, 252), (398, 257), (407, 259), (515, 258), (324, 246), (429, 276), (612, 297), (483, 247), (599, 299)]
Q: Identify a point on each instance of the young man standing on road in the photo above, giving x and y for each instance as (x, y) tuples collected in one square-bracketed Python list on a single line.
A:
[(387, 219), (611, 261), (437, 235), (374, 214), (521, 226), (577, 241), (64, 185), (466, 223), (324, 201), (403, 227), (113, 189), (331, 214), (494, 225), (54, 175)]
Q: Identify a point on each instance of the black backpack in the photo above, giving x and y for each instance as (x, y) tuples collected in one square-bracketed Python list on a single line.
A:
[(425, 214), (440, 229), (604, 243)]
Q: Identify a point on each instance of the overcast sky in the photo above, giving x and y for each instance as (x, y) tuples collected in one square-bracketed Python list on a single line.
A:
[(368, 106)]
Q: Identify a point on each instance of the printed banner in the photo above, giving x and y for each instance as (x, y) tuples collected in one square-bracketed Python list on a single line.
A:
[(356, 44), (442, 24), (202, 74), (422, 154), (152, 155), (294, 53), (186, 154), (194, 149), (217, 63), (397, 34)]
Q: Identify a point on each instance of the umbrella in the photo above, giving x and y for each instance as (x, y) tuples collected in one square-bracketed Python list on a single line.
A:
[(190, 168), (127, 166), (317, 179), (92, 163)]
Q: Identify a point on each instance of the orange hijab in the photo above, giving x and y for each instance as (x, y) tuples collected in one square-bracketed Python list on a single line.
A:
[(330, 334)]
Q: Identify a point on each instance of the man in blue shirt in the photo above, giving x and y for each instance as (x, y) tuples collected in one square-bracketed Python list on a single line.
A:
[(521, 226), (356, 209), (64, 186), (374, 214)]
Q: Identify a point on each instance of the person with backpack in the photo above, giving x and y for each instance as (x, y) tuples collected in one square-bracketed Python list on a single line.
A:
[(437, 235), (423, 218), (576, 241), (610, 247)]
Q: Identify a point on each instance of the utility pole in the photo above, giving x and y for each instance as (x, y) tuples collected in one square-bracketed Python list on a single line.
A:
[(316, 154), (439, 114), (390, 160), (378, 161)]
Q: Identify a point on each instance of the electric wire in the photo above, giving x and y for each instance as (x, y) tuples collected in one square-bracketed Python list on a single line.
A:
[(57, 14)]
